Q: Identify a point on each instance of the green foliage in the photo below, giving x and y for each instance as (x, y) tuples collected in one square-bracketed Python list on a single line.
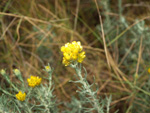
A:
[(116, 32), (41, 99), (88, 95), (27, 36), (122, 34)]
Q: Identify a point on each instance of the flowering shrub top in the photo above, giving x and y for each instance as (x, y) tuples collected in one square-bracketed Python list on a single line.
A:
[(72, 52), (34, 81), (21, 96)]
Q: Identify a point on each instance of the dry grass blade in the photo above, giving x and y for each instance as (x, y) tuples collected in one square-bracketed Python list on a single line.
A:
[(139, 59), (103, 35), (76, 18)]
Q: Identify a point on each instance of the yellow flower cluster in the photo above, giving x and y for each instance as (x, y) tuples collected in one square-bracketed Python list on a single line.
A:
[(21, 96), (72, 52), (34, 81), (148, 70)]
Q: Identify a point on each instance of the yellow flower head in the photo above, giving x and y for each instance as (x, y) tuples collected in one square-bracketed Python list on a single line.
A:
[(34, 81), (72, 52), (21, 96), (148, 70)]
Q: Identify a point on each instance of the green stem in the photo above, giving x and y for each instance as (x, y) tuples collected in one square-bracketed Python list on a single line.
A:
[(29, 110), (7, 93), (88, 89)]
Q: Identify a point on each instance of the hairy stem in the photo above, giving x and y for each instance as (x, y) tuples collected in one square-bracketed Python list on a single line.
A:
[(88, 89)]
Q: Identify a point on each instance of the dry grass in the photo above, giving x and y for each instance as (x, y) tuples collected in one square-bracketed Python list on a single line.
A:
[(28, 27)]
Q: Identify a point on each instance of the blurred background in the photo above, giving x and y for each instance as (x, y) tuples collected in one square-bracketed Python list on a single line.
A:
[(33, 31)]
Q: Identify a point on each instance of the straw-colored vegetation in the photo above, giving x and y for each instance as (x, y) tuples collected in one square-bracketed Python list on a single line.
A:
[(114, 75)]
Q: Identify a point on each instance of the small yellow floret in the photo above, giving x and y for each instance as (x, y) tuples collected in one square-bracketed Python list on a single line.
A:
[(3, 72), (136, 76), (48, 68), (17, 72), (148, 70), (34, 81), (65, 62), (72, 52), (21, 96)]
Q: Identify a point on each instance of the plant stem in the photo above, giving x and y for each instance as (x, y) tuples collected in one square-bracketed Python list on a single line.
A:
[(88, 89)]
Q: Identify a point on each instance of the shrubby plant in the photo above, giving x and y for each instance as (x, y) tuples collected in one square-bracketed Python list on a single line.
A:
[(73, 55), (131, 39), (38, 97), (125, 35)]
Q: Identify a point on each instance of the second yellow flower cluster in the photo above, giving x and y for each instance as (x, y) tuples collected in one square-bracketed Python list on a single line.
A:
[(34, 81), (21, 96)]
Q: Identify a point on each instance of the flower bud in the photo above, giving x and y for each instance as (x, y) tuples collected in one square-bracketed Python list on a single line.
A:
[(3, 72)]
